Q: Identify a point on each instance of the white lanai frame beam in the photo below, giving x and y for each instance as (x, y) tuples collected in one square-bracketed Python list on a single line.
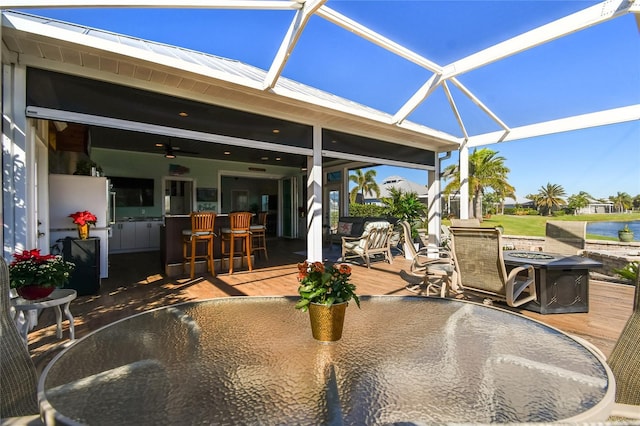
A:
[(564, 26), (289, 42), (577, 122), (417, 98), (187, 4), (479, 103), (377, 39), (559, 28), (454, 107)]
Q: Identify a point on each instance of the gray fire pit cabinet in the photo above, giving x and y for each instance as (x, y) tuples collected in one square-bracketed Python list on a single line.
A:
[(562, 282)]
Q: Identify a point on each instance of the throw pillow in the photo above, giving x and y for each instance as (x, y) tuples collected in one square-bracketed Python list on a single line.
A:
[(344, 228)]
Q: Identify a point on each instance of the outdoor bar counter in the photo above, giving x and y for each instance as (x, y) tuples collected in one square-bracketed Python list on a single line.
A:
[(253, 360)]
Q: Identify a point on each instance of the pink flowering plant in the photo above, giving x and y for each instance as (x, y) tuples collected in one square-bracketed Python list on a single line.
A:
[(325, 285), (32, 268), (82, 218)]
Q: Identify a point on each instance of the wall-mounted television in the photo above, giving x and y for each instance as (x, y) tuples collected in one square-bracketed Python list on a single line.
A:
[(133, 192)]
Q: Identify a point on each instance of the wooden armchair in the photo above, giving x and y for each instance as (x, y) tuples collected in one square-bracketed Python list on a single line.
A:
[(375, 239), (480, 269)]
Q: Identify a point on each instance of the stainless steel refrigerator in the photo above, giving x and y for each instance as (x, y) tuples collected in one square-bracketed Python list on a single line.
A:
[(72, 193)]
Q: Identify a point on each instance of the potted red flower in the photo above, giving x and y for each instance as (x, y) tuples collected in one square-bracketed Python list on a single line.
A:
[(35, 276), (325, 292), (83, 220)]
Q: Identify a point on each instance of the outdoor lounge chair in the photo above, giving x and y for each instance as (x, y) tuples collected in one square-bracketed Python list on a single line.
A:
[(563, 237), (480, 268), (445, 235), (18, 376), (433, 265), (375, 239), (465, 223), (625, 365)]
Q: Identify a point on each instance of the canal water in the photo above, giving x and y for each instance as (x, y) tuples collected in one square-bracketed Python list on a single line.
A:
[(610, 229)]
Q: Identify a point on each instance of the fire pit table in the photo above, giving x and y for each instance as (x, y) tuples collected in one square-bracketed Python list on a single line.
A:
[(562, 281)]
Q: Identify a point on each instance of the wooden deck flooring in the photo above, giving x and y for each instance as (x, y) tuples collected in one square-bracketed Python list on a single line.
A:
[(136, 284)]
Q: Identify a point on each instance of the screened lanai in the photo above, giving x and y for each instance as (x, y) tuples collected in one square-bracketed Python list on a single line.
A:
[(408, 75)]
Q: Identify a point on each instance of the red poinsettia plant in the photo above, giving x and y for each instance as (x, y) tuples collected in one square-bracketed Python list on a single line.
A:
[(45, 270), (82, 218)]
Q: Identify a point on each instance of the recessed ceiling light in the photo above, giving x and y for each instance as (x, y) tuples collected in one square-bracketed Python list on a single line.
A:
[(276, 131), (227, 153), (278, 159), (264, 158), (159, 145), (183, 114), (304, 169)]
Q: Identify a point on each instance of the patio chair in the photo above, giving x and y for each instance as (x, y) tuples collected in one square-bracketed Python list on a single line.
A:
[(433, 265), (18, 376), (625, 365), (563, 237), (445, 236), (480, 269), (375, 239), (465, 223)]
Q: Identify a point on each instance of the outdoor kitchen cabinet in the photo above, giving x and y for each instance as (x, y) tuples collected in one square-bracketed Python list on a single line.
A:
[(147, 235), (131, 236), (122, 237)]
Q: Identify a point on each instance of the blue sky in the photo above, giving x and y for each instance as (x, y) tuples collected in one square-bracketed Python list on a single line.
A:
[(591, 70)]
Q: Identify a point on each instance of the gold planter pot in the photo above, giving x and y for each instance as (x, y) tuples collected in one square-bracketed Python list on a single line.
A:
[(83, 231), (327, 321)]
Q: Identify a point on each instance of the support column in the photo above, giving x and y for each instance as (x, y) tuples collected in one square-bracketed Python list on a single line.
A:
[(18, 229), (434, 200), (464, 181), (314, 198)]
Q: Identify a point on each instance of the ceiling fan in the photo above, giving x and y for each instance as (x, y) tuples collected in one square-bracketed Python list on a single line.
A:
[(170, 150)]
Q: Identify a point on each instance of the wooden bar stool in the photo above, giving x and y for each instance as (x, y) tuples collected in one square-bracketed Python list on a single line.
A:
[(201, 232), (239, 223), (259, 234)]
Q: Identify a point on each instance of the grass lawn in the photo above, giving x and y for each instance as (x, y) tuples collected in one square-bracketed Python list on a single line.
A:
[(534, 226)]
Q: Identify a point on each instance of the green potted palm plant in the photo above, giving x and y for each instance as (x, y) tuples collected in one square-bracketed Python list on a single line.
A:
[(35, 276), (325, 292), (625, 234)]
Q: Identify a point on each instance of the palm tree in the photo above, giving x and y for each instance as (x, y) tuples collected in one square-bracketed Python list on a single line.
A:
[(486, 170), (550, 196), (365, 184), (404, 205), (503, 192), (579, 200), (621, 201)]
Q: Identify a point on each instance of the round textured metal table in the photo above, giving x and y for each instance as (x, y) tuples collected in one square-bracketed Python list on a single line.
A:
[(252, 360)]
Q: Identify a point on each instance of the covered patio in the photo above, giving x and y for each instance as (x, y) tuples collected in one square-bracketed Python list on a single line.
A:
[(138, 86)]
